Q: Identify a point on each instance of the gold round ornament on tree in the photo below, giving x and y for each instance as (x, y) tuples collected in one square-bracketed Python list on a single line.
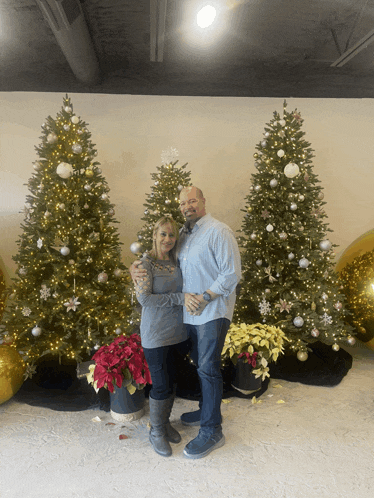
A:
[(89, 173), (12, 368)]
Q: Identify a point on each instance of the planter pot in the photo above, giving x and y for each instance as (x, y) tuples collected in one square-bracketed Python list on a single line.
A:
[(244, 379), (126, 407)]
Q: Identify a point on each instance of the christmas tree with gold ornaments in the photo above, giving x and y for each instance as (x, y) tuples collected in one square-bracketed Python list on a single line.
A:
[(164, 197), (287, 257), (70, 293)]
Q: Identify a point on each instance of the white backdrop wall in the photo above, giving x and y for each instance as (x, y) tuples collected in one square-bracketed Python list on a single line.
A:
[(216, 136)]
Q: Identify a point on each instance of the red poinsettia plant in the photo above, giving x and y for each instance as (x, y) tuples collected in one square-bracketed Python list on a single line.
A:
[(121, 362)]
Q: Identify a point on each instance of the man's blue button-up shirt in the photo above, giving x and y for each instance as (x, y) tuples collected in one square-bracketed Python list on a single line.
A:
[(209, 259)]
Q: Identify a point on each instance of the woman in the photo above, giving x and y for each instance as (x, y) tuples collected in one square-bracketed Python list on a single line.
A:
[(162, 332)]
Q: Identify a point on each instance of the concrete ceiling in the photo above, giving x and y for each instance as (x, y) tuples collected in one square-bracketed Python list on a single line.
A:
[(268, 48)]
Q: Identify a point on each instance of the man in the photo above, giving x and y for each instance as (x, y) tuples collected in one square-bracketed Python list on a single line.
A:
[(209, 258)]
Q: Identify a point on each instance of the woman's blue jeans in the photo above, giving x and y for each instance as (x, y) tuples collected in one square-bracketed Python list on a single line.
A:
[(207, 344), (163, 363)]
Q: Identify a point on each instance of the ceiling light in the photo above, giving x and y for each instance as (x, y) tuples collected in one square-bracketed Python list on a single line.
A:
[(206, 16)]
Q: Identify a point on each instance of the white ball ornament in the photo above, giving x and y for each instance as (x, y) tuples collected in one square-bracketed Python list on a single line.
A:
[(36, 165), (273, 183), (298, 321), (75, 119), (66, 127), (293, 206), (325, 245), (36, 331), (259, 262), (267, 134), (52, 138), (320, 196), (302, 355), (118, 331), (61, 206), (280, 153), (283, 236), (117, 272), (282, 122), (291, 256), (263, 143), (76, 148), (257, 188), (65, 251), (136, 248), (269, 227), (304, 263), (102, 277), (87, 187), (301, 197), (104, 197), (291, 170), (64, 170), (68, 109), (180, 187), (253, 236)]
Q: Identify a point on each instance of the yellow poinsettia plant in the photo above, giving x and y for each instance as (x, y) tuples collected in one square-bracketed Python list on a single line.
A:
[(257, 344)]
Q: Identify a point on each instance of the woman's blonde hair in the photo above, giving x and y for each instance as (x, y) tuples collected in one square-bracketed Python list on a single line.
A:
[(165, 220)]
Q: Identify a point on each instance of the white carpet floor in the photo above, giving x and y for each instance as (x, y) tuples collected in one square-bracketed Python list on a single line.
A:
[(299, 441)]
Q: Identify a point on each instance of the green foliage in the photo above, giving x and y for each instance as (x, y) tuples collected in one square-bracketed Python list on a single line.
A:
[(70, 288), (286, 273)]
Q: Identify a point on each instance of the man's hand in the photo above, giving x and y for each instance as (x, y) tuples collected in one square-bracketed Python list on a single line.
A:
[(137, 273), (201, 307)]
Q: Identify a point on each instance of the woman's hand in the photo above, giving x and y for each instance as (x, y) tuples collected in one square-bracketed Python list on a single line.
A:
[(191, 302), (137, 272)]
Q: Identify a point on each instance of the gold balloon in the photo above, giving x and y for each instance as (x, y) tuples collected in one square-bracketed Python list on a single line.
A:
[(89, 173), (360, 246), (12, 368)]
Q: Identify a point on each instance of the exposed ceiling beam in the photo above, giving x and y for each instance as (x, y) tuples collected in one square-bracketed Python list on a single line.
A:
[(353, 51), (158, 21)]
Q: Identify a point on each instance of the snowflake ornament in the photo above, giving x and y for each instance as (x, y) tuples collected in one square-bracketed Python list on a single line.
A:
[(326, 319), (169, 155), (72, 304), (45, 292), (39, 243), (26, 311), (265, 307)]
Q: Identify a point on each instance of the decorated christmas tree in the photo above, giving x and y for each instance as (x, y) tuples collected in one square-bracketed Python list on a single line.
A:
[(164, 198), (70, 290), (287, 258)]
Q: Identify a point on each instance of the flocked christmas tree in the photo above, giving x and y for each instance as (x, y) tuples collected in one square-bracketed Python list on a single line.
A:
[(287, 258), (164, 198), (70, 292)]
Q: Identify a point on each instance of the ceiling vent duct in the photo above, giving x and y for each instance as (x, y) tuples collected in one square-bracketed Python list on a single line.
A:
[(67, 22)]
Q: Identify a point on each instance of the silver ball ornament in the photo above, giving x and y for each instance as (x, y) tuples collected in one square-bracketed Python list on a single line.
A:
[(335, 347), (64, 170), (301, 197), (104, 197), (291, 256), (65, 251), (76, 148), (304, 263), (253, 236), (61, 206), (263, 143), (136, 248), (315, 332), (87, 187), (298, 321), (282, 122), (257, 188), (102, 277), (269, 227), (52, 138), (36, 331), (168, 201), (320, 196), (117, 272), (66, 127), (68, 108), (293, 206), (291, 170), (118, 331), (74, 119), (283, 236), (325, 245), (280, 153), (273, 183), (351, 340), (259, 262), (36, 165)]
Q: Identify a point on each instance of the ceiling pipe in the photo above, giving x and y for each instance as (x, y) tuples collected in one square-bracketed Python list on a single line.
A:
[(158, 21), (66, 19)]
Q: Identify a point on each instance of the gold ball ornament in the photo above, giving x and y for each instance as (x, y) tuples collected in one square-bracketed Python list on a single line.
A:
[(12, 368), (89, 173)]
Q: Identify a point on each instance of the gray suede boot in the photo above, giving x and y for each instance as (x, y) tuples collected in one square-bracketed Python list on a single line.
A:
[(161, 431)]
